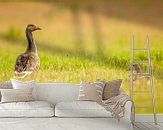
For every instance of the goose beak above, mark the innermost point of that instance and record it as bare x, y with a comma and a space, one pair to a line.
38, 28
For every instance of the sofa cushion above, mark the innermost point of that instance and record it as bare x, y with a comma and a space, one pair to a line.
91, 91
16, 95
111, 88
5, 85
17, 84
26, 109
80, 109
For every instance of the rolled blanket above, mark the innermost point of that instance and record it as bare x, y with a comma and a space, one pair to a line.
116, 105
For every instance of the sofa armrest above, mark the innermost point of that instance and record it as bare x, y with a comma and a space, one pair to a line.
126, 119
128, 111
127, 115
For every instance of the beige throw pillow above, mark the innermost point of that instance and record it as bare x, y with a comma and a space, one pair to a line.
91, 91
16, 95
5, 85
111, 88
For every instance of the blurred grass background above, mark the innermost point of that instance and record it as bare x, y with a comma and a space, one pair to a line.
84, 40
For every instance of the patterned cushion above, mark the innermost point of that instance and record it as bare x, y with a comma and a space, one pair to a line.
16, 95
111, 88
91, 91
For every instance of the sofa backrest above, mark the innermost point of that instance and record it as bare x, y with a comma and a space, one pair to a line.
57, 92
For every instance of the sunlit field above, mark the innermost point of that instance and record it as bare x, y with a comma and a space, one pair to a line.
85, 41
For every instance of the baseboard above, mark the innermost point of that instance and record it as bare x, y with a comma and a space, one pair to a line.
148, 118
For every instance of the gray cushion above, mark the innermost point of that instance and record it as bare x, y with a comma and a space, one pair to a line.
111, 88
6, 84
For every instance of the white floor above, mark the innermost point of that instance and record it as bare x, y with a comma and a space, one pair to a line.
62, 124
143, 122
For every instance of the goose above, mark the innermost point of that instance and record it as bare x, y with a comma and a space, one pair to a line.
137, 69
28, 62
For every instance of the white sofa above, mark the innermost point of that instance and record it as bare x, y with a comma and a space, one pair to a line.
57, 108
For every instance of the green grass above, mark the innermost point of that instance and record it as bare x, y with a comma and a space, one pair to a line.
76, 44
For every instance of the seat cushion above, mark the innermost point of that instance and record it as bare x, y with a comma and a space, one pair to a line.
80, 109
26, 109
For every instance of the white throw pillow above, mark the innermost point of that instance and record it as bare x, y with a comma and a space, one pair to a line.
17, 84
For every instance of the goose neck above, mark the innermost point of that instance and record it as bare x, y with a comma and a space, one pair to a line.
31, 47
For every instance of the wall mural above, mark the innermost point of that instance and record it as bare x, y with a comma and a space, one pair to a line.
81, 40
